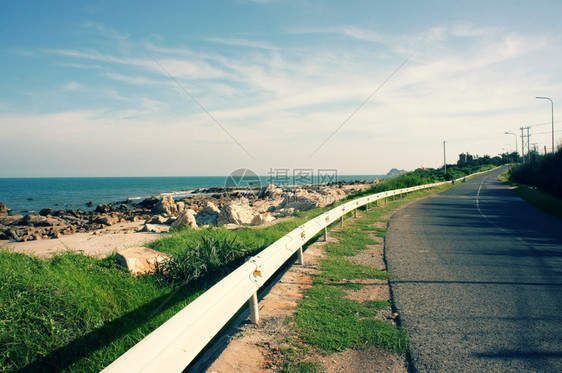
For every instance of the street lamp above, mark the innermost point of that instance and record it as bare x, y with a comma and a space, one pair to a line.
552, 110
511, 133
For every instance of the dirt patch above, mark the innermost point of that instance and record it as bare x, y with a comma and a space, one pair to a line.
370, 360
257, 348
372, 257
370, 290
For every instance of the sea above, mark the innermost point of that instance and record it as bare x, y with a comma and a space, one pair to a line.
26, 195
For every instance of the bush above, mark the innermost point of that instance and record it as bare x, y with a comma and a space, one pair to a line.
543, 172
209, 259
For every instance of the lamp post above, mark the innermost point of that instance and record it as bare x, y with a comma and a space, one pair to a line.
511, 133
552, 111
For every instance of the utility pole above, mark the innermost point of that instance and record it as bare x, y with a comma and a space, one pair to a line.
529, 143
444, 158
522, 145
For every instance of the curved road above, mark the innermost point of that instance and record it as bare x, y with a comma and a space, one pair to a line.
477, 281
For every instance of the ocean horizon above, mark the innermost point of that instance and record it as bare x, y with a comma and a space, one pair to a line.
32, 194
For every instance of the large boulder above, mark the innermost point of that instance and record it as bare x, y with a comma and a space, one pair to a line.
150, 228
300, 200
32, 220
3, 209
10, 219
140, 260
158, 219
303, 200
268, 204
264, 218
106, 219
149, 203
45, 212
102, 208
51, 222
166, 206
208, 215
270, 191
237, 211
281, 213
186, 219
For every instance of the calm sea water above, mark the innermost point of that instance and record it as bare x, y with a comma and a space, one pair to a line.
24, 195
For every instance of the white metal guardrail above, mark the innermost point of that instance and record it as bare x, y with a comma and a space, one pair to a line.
174, 345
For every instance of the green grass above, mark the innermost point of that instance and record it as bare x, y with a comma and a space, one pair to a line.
334, 323
535, 197
541, 200
351, 242
325, 318
76, 313
253, 239
296, 356
336, 270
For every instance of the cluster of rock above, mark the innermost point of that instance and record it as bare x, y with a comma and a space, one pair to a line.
224, 208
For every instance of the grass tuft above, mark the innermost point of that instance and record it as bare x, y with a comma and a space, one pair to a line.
341, 269
333, 323
535, 197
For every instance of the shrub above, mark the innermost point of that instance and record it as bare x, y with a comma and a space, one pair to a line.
209, 260
543, 172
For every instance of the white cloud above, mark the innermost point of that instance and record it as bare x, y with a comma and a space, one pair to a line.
465, 84
106, 31
241, 43
72, 86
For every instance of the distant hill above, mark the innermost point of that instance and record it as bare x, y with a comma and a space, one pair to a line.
395, 172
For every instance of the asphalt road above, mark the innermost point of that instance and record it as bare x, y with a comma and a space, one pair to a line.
477, 281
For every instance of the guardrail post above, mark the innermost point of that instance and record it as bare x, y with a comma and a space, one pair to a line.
341, 220
377, 203
326, 234
254, 310
300, 260
355, 213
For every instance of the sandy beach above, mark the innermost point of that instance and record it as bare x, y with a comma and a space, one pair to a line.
99, 243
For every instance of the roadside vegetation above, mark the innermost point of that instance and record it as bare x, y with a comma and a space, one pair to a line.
326, 318
539, 182
73, 313
543, 172
76, 313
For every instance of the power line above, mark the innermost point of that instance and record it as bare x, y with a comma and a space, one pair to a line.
201, 106
363, 103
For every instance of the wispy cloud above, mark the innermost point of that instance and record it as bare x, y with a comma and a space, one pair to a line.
464, 81
138, 80
102, 57
72, 86
241, 43
106, 31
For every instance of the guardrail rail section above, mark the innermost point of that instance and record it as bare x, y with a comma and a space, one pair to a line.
176, 343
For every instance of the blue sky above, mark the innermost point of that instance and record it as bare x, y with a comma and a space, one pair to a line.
85, 89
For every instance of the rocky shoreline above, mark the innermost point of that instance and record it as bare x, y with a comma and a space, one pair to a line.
207, 207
